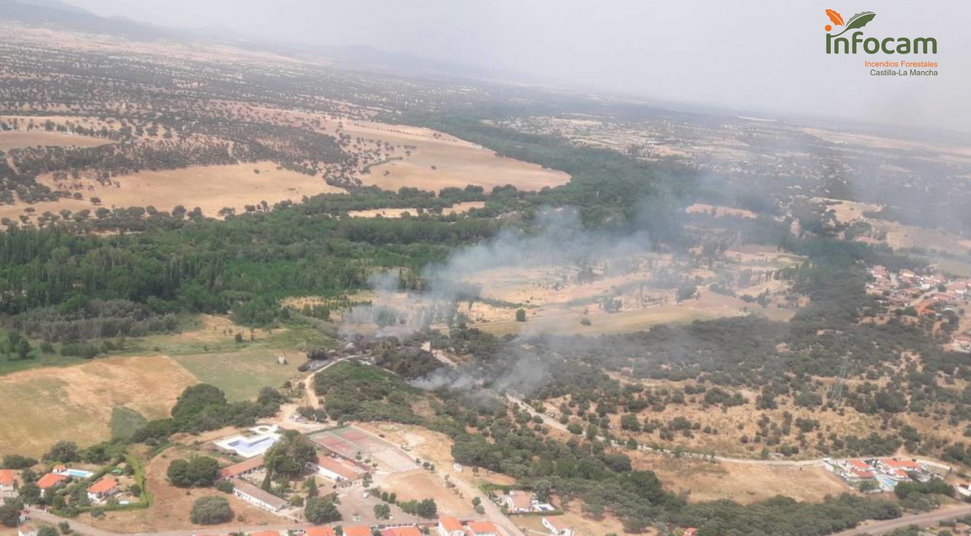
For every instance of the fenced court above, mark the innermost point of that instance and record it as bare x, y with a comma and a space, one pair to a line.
350, 442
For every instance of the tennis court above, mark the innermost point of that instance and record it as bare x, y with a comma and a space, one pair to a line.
351, 442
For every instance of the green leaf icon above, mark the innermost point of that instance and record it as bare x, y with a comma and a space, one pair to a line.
858, 21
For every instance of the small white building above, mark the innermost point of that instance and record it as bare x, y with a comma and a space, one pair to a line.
557, 527
27, 530
258, 497
335, 469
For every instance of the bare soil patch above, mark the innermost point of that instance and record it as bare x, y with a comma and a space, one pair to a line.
17, 139
419, 484
744, 483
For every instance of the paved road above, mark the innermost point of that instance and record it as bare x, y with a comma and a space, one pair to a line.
492, 512
921, 520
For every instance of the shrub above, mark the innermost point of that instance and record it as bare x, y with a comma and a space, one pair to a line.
211, 511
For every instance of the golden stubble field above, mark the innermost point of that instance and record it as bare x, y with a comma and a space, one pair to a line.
16, 139
210, 188
425, 158
75, 403
744, 483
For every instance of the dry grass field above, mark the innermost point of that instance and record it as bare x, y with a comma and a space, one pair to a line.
898, 235
419, 484
743, 483
434, 161
210, 188
568, 323
16, 139
440, 165
582, 526
76, 402
394, 213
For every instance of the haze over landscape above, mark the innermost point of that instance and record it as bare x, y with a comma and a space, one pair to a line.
484, 269
750, 54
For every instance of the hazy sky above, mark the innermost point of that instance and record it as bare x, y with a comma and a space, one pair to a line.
757, 54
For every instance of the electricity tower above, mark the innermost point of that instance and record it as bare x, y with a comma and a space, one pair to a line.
836, 394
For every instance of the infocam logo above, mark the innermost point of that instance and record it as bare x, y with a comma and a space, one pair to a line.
856, 43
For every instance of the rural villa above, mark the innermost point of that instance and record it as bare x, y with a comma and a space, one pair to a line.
518, 501
101, 490
50, 481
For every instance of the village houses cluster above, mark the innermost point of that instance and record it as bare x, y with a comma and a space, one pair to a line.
924, 295
876, 475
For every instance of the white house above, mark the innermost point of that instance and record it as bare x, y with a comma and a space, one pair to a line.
257, 496
102, 489
557, 527
335, 469
27, 530
518, 501
450, 526
8, 482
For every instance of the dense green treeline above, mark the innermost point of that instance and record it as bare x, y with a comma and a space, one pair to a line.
610, 189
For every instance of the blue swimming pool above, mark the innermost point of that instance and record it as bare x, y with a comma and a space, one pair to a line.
887, 483
252, 446
78, 473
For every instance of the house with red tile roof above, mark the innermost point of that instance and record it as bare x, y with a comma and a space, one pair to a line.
906, 465
241, 469
357, 530
481, 528
50, 481
102, 489
8, 481
26, 530
401, 531
320, 531
450, 526
335, 469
